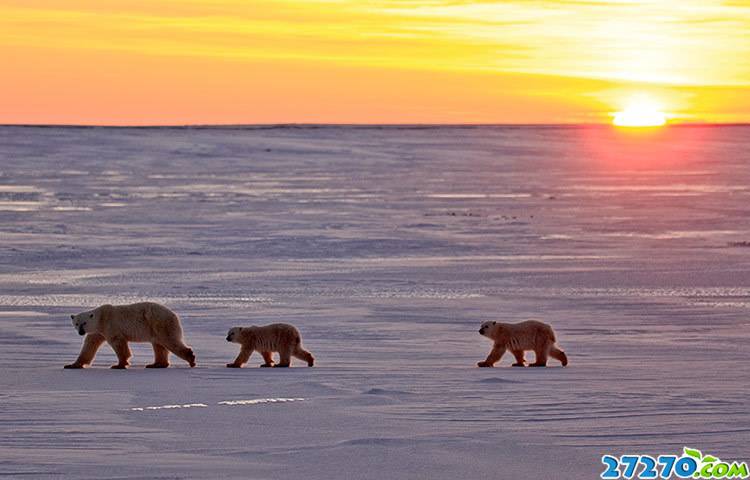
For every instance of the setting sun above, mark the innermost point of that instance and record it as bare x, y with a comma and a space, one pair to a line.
640, 112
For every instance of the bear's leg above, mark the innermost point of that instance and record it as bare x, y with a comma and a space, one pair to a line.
303, 354
242, 358
122, 350
285, 356
495, 354
267, 358
161, 357
182, 351
520, 361
559, 355
91, 344
541, 357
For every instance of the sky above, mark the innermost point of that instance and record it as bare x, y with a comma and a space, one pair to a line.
141, 62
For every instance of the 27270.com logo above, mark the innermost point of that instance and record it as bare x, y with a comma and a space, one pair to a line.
691, 464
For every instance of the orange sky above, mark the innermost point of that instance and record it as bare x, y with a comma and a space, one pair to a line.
355, 61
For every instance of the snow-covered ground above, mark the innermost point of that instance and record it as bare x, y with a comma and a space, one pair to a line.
386, 247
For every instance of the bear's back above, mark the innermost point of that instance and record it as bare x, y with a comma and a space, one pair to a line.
143, 321
528, 334
276, 335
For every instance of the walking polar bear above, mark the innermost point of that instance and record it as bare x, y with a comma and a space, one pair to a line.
277, 337
519, 337
138, 322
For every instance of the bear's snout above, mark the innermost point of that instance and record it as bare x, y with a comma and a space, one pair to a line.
72, 317
481, 331
81, 331
229, 338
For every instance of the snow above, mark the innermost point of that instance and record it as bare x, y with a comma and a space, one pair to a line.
386, 247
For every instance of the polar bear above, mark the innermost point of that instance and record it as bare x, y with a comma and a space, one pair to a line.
277, 337
518, 337
139, 322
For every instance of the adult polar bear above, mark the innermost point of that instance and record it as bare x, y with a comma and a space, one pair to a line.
138, 322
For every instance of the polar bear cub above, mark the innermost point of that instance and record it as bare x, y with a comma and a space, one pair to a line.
519, 337
138, 322
277, 337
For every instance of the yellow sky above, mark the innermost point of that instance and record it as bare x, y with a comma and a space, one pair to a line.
357, 61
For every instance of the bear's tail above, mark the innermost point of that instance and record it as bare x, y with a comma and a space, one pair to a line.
559, 355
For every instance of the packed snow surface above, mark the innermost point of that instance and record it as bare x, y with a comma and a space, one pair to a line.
386, 247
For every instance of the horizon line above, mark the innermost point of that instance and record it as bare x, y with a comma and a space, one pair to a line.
362, 125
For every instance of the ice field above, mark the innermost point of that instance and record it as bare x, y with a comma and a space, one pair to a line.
386, 247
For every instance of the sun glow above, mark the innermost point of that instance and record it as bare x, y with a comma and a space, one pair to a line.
167, 62
640, 112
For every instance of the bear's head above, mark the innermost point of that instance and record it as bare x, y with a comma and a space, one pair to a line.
486, 328
86, 322
234, 335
